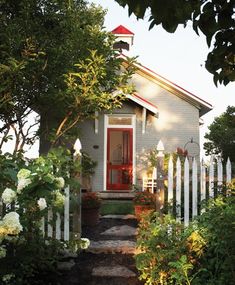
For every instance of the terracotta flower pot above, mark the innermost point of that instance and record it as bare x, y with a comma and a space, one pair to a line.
90, 216
142, 209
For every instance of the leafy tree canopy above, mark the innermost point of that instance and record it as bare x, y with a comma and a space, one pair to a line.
214, 18
56, 59
221, 136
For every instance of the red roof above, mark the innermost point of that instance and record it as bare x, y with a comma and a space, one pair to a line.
122, 30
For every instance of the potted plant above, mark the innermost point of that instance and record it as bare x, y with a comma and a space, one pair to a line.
144, 201
91, 203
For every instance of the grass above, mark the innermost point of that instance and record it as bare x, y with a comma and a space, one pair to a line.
117, 208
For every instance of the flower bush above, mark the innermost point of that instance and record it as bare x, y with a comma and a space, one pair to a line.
144, 198
28, 190
90, 200
202, 253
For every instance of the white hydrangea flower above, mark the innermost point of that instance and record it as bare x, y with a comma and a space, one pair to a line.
60, 182
8, 196
42, 203
11, 223
22, 183
3, 252
6, 278
59, 199
85, 243
23, 173
49, 178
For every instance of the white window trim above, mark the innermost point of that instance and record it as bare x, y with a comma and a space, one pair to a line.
133, 127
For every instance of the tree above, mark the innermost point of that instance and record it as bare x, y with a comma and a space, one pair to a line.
57, 60
214, 18
221, 136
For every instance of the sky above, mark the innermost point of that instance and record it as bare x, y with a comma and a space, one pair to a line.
179, 57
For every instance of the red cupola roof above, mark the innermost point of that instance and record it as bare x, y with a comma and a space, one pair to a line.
121, 30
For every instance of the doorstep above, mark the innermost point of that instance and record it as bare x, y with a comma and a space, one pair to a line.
116, 195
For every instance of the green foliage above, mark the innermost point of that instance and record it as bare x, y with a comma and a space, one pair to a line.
28, 190
213, 18
88, 164
144, 198
90, 200
218, 228
202, 253
163, 246
56, 59
221, 135
116, 208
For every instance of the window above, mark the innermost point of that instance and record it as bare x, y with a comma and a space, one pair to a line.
115, 120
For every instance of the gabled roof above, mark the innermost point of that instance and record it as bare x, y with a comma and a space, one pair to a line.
121, 30
135, 97
201, 104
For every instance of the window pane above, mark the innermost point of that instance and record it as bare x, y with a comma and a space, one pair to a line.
120, 120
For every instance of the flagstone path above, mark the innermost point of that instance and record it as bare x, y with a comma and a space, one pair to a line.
109, 259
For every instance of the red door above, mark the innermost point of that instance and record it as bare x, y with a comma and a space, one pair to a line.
119, 159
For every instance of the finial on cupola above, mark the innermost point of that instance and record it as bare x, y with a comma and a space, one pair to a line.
124, 38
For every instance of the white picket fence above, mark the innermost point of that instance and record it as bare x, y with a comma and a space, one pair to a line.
189, 183
61, 228
55, 225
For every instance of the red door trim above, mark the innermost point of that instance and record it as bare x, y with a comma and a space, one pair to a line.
124, 168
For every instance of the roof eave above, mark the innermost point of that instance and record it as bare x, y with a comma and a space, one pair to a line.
203, 106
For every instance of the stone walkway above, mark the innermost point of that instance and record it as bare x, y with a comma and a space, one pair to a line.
109, 259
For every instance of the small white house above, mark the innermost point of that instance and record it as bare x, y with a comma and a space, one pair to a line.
158, 110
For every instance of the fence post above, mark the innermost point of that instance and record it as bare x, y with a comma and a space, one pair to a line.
77, 194
194, 196
160, 197
186, 192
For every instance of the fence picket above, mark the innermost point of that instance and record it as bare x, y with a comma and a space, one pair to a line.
186, 192
203, 181
170, 181
49, 226
228, 171
194, 190
178, 189
211, 178
42, 227
219, 173
66, 214
58, 227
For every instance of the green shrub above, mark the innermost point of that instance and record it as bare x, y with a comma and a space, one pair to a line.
28, 189
202, 253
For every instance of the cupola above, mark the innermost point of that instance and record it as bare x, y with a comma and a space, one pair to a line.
124, 38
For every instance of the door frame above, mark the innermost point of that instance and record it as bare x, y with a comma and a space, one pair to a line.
133, 127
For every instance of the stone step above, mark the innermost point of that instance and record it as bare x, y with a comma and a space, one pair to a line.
119, 217
112, 271
121, 231
112, 246
116, 195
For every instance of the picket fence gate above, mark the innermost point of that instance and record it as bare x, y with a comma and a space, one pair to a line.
189, 183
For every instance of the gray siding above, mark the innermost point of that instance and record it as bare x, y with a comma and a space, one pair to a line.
178, 122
